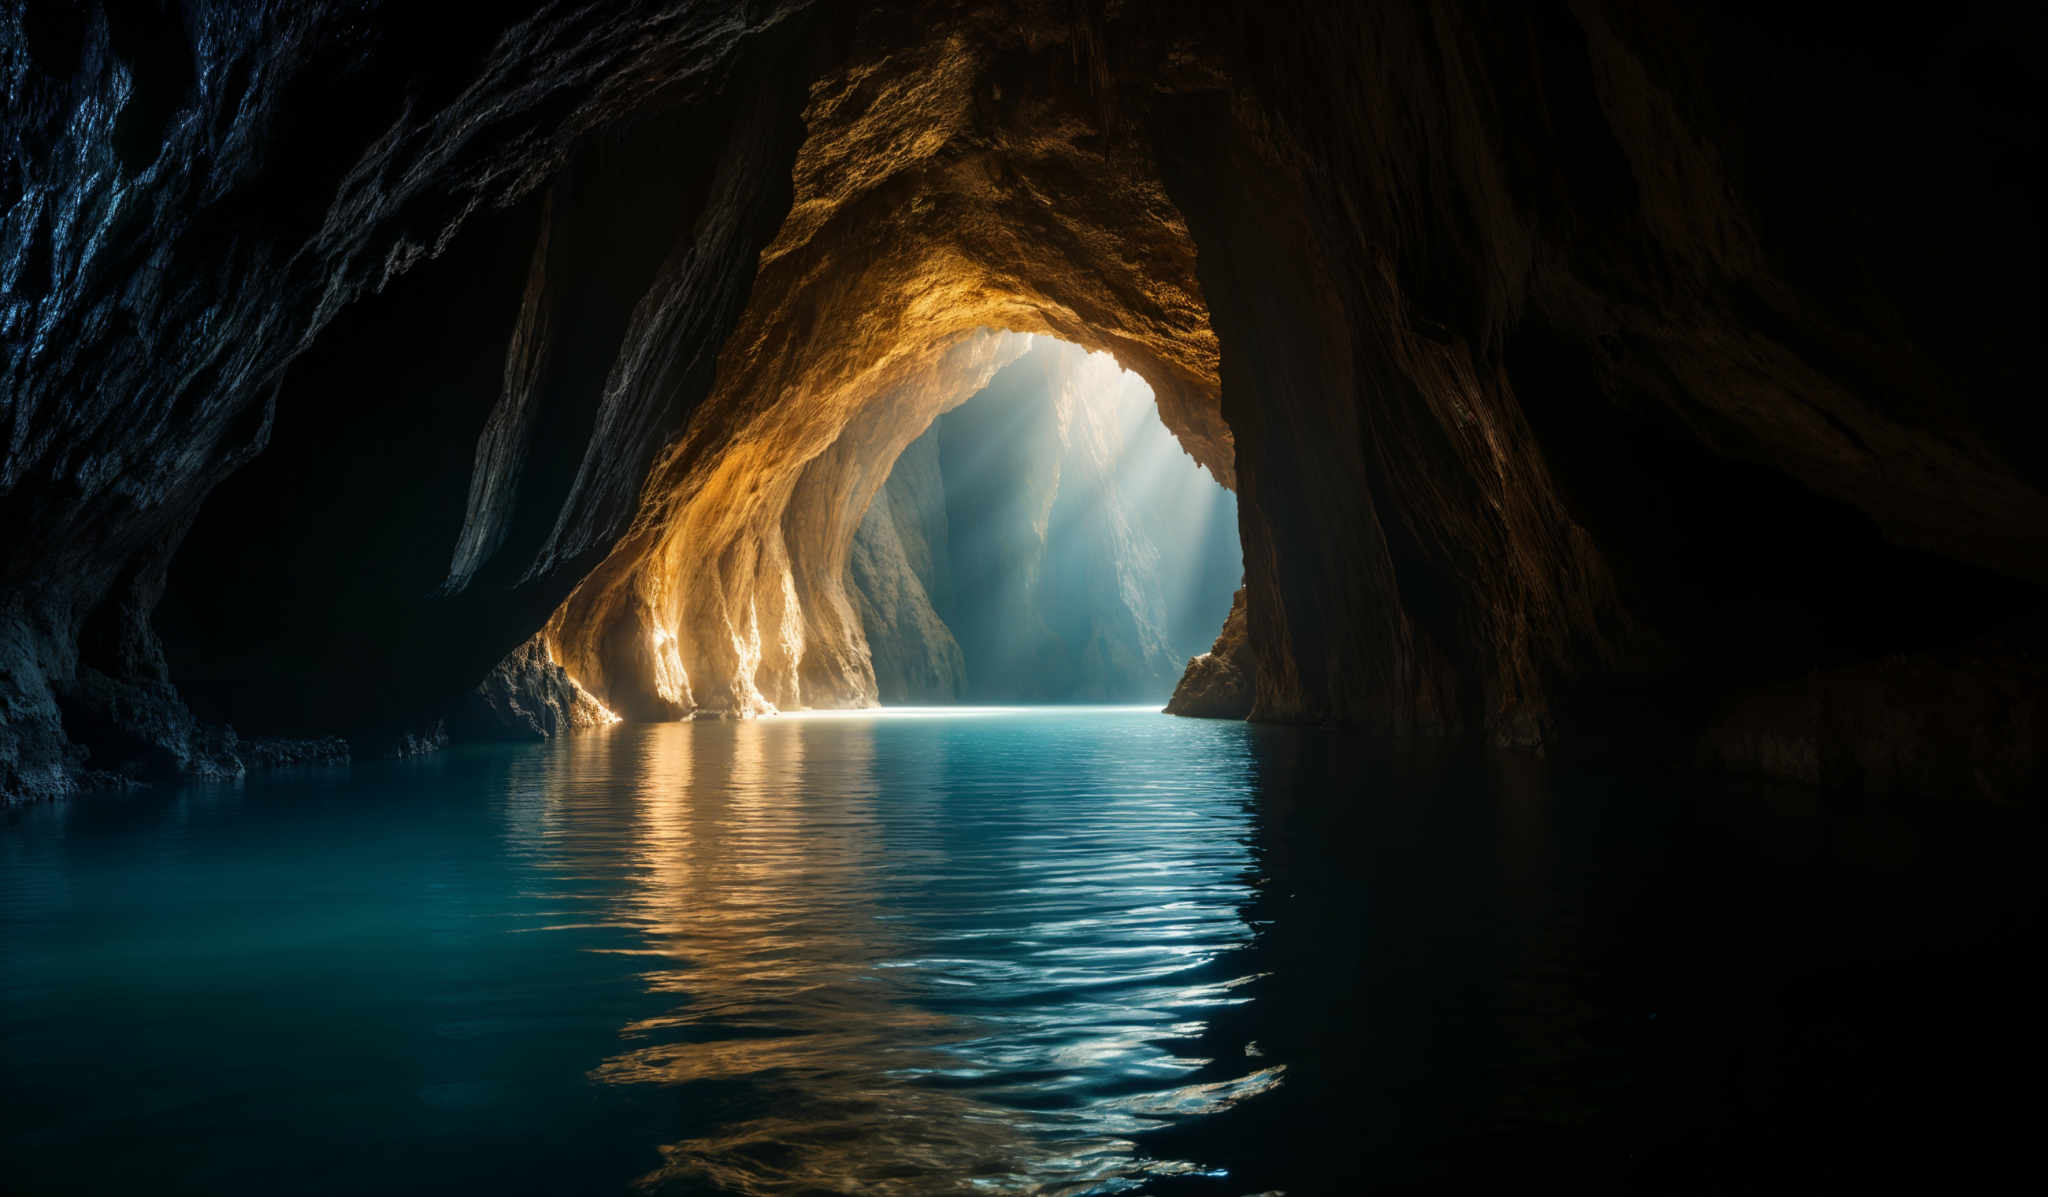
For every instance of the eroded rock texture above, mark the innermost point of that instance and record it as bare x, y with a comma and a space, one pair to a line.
1525, 302
527, 697
953, 179
194, 192
1223, 682
733, 602
1570, 360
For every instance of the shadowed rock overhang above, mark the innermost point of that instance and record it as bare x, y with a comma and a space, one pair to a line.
1569, 361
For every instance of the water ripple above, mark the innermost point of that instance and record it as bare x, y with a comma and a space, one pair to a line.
915, 956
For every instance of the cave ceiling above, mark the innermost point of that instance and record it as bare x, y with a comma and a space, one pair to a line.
1555, 352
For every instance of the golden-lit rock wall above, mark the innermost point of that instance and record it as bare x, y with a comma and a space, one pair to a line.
930, 203
1571, 361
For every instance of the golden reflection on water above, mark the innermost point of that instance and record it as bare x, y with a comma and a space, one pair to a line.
915, 976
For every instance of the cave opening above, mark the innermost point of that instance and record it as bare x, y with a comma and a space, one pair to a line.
1023, 530
1594, 426
1045, 541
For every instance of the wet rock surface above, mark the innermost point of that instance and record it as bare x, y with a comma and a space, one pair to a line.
1557, 357
1966, 721
405, 745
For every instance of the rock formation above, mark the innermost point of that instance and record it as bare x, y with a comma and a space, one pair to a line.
1063, 580
899, 573
527, 697
1570, 361
1056, 590
734, 601
286, 753
1223, 682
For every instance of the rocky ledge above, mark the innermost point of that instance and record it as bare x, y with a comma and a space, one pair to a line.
527, 697
282, 752
1221, 683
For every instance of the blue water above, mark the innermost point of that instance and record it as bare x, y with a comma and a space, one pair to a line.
813, 953
1063, 951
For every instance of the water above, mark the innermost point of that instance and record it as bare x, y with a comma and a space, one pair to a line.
1061, 950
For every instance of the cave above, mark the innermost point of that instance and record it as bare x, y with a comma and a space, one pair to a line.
1544, 461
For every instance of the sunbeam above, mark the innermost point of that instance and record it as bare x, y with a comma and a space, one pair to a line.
1083, 558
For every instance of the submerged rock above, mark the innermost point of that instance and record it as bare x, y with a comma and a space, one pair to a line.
412, 742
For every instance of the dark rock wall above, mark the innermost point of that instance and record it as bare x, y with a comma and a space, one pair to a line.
1571, 360
455, 447
195, 192
1522, 302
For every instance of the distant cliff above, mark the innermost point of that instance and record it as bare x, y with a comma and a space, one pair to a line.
898, 572
1017, 553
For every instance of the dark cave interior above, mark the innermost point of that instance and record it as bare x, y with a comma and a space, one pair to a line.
1632, 493
1568, 381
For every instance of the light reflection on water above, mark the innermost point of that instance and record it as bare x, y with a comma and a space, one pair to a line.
937, 954
1072, 951
854, 954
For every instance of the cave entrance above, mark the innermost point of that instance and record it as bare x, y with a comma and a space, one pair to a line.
1048, 540
1006, 520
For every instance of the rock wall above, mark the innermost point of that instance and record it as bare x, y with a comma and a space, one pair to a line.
1523, 304
195, 193
734, 602
1223, 682
1038, 542
527, 697
899, 573
1570, 360
952, 179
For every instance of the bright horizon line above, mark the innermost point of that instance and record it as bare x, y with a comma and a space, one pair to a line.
965, 711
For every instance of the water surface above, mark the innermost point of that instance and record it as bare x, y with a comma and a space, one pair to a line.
1063, 950
849, 954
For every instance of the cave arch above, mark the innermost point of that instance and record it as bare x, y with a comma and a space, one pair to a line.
1551, 375
725, 616
929, 208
